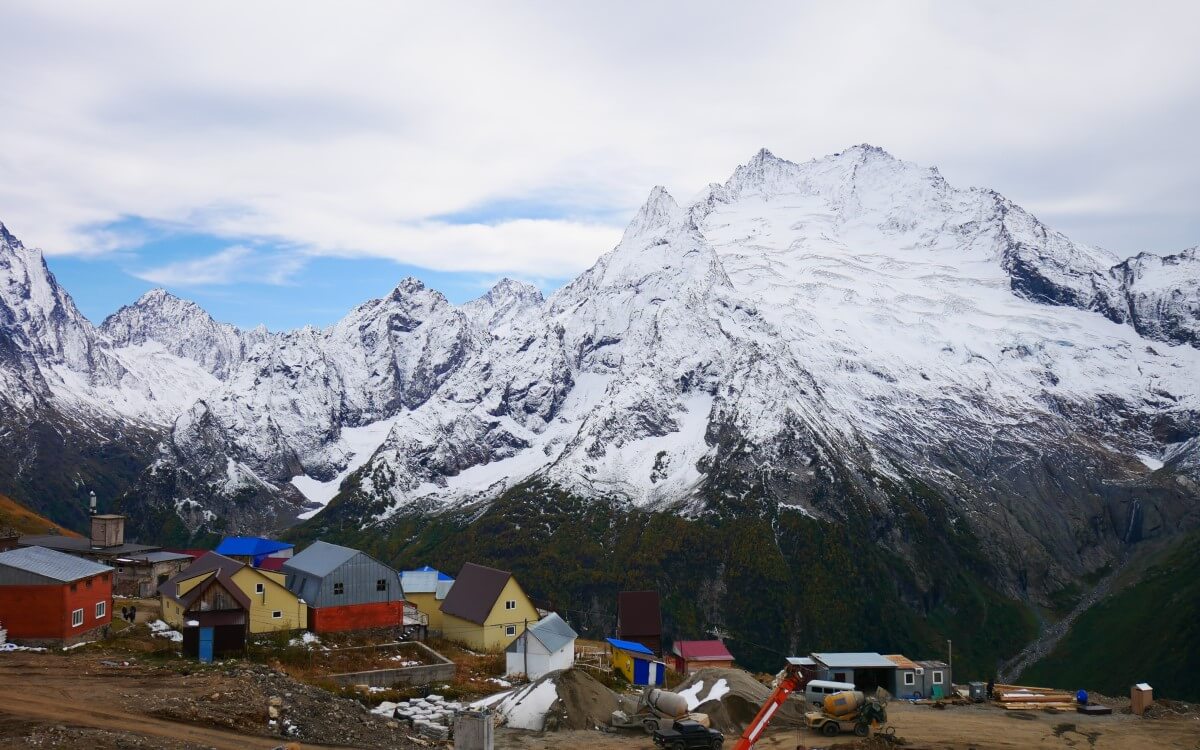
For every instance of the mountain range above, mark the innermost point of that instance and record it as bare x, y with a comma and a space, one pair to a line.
849, 343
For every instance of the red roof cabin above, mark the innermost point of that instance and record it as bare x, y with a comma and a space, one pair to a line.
689, 656
52, 598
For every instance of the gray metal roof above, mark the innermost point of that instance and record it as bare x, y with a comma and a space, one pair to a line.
156, 557
49, 563
319, 559
425, 582
855, 660
553, 632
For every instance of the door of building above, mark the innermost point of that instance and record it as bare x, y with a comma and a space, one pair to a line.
206, 645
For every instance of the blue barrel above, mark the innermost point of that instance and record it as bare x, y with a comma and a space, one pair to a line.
1081, 697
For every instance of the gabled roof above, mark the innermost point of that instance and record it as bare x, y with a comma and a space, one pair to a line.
630, 646
553, 632
702, 650
475, 592
221, 577
319, 559
206, 564
639, 614
250, 545
854, 660
51, 564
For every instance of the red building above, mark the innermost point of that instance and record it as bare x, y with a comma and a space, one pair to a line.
689, 656
52, 597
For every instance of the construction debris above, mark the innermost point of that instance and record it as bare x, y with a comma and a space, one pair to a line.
1025, 698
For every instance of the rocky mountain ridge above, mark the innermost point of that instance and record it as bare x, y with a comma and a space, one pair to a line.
800, 331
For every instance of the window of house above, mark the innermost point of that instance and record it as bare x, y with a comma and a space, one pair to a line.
77, 618
839, 676
260, 588
910, 678
276, 615
510, 604
339, 588
87, 584
74, 586
937, 678
381, 584
120, 569
101, 608
510, 629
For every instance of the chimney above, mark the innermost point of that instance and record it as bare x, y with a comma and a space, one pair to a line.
108, 530
92, 502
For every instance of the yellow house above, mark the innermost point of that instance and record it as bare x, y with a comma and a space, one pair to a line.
272, 606
426, 589
486, 609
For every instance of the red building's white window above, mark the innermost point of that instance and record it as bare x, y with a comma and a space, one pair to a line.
101, 608
77, 618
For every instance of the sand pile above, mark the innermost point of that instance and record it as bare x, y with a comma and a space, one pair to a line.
569, 699
732, 698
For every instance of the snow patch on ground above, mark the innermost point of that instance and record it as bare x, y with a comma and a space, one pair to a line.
523, 708
692, 694
1152, 463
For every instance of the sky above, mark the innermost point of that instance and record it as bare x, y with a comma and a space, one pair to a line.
281, 162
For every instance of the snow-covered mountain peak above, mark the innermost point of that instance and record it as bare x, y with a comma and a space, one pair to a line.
658, 213
509, 306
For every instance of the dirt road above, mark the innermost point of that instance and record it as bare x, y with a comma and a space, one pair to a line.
50, 700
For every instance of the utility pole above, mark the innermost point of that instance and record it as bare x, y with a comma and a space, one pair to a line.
525, 646
950, 653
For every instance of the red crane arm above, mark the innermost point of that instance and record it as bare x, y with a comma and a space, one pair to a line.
791, 682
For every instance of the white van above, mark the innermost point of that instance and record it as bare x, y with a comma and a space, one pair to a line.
815, 691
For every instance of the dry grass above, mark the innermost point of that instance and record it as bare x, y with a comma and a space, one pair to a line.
26, 521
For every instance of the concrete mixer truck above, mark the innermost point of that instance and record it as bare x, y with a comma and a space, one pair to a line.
847, 711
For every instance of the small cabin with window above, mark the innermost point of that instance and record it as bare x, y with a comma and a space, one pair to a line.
346, 589
934, 679
486, 608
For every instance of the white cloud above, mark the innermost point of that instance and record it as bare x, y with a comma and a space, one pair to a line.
349, 130
233, 265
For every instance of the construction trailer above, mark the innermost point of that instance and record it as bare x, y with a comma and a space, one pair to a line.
935, 679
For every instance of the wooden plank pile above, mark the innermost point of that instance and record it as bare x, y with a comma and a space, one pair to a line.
1025, 698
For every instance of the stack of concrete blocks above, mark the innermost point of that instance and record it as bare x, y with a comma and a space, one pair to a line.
474, 730
3, 636
431, 717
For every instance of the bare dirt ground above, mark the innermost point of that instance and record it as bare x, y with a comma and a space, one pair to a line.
922, 728
75, 700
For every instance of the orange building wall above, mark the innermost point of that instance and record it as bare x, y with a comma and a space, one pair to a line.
45, 611
356, 617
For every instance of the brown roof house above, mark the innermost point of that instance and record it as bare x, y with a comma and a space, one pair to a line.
215, 611
639, 619
486, 608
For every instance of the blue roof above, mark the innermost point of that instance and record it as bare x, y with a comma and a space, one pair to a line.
630, 646
250, 545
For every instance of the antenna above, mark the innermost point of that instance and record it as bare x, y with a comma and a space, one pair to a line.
92, 502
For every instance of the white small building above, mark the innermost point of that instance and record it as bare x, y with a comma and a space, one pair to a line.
545, 646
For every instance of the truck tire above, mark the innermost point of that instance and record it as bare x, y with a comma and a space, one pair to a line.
830, 729
678, 745
862, 730
650, 725
717, 742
